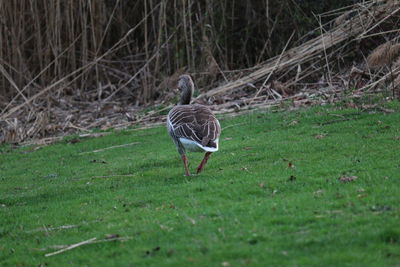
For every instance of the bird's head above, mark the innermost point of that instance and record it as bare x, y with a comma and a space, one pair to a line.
186, 87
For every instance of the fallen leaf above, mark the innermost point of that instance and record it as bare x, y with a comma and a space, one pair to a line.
380, 208
112, 236
367, 106
151, 253
247, 148
74, 141
318, 192
227, 138
346, 179
387, 110
319, 136
293, 123
191, 220
290, 165
262, 185
225, 263
167, 228
98, 161
351, 105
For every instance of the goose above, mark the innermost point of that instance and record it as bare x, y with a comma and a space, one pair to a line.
192, 127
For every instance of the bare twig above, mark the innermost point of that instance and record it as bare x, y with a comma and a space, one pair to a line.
379, 23
64, 248
114, 175
89, 241
46, 229
107, 148
148, 61
274, 68
310, 50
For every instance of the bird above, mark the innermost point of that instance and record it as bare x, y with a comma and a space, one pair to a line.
192, 127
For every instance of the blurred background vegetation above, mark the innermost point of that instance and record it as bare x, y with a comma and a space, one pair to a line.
76, 46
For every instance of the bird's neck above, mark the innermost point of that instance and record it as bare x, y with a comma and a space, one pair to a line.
186, 96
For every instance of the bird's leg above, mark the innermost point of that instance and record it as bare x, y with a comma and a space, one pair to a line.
203, 162
185, 163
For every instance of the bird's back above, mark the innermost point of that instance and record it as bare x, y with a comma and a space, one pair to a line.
196, 123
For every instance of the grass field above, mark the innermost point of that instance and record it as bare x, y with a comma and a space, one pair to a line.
314, 187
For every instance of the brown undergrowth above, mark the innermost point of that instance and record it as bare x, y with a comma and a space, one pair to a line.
355, 53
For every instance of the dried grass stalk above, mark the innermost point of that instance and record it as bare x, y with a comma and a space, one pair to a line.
383, 55
365, 18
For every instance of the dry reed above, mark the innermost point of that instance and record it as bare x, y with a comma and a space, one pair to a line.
383, 55
68, 66
44, 41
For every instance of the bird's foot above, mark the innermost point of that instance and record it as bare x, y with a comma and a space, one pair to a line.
199, 169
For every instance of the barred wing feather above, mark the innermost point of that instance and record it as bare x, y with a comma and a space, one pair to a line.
196, 123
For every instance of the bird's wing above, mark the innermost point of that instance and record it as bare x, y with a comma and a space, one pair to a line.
196, 123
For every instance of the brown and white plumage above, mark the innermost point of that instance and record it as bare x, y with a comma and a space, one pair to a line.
192, 127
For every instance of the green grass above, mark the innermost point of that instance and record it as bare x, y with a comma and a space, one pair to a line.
270, 197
